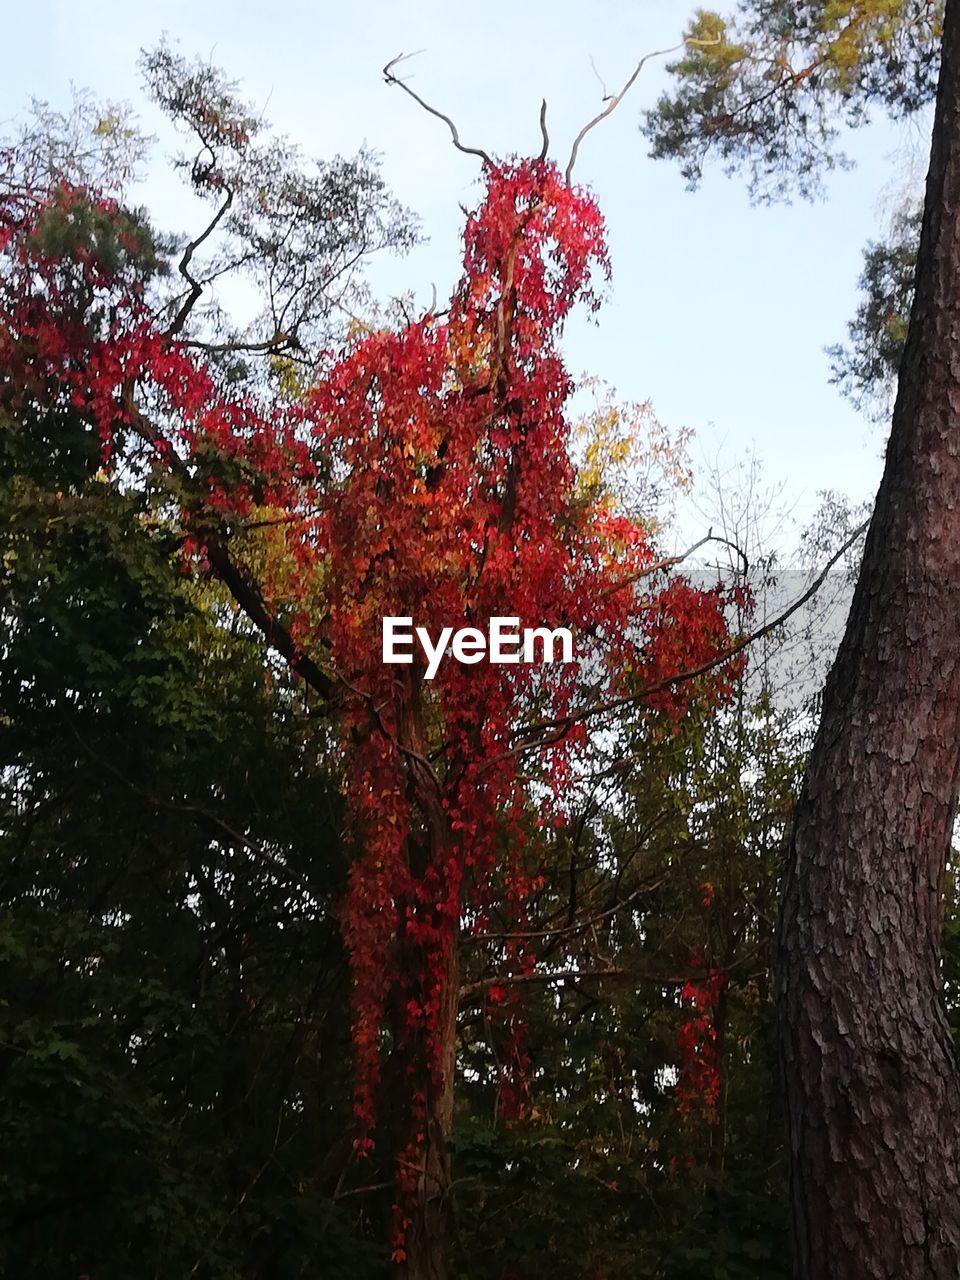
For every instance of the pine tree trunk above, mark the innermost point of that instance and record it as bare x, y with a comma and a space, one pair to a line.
870, 1078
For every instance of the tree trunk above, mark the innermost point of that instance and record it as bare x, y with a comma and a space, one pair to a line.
424, 1135
870, 1079
429, 1234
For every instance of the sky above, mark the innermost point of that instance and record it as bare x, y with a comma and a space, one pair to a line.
718, 311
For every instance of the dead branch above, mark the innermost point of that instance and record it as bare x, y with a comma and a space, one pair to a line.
614, 100
669, 562
393, 79
543, 131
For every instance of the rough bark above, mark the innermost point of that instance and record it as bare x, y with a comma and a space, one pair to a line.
870, 1078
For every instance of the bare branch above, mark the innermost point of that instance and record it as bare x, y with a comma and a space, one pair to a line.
367, 1190
604, 96
473, 989
279, 344
196, 287
669, 562
565, 930
556, 730
614, 101
543, 131
392, 79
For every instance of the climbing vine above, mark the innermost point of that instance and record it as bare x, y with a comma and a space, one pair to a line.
422, 472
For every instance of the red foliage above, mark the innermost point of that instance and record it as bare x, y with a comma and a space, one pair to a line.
698, 1084
450, 497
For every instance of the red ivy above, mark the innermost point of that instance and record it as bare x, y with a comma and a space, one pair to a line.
449, 496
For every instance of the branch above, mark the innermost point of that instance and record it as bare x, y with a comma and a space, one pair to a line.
425, 765
363, 1191
543, 131
250, 599
668, 562
614, 101
196, 288
563, 724
234, 577
392, 79
258, 851
277, 345
473, 989
571, 928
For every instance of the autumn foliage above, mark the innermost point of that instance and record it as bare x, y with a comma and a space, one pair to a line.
425, 472
698, 1085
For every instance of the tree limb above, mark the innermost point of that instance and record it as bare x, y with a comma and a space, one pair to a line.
392, 79
543, 131
571, 928
471, 990
614, 100
234, 577
196, 288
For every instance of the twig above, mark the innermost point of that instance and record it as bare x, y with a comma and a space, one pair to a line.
362, 1191
604, 96
571, 928
392, 79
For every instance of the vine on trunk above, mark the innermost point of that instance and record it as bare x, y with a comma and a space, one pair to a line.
424, 473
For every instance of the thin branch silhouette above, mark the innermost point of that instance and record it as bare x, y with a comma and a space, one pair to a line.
543, 130
390, 78
614, 100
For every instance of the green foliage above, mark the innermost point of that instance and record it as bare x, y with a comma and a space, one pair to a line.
769, 97
118, 241
175, 1064
174, 1050
866, 368
604, 1177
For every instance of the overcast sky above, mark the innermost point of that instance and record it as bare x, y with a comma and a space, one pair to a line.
718, 311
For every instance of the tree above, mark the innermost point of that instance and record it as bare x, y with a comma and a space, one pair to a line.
653, 1144
425, 472
870, 1075
170, 861
768, 90
869, 1065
